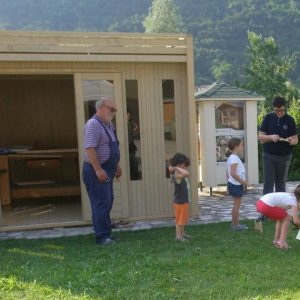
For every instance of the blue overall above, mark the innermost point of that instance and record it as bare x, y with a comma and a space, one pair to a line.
101, 193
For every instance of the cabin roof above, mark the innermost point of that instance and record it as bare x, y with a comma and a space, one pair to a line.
92, 46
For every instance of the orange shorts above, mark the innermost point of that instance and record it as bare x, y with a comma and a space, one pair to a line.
181, 213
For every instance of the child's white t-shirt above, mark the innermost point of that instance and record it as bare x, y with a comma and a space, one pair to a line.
280, 199
240, 169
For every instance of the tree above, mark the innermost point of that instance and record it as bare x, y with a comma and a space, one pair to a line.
267, 74
163, 17
221, 69
132, 23
267, 71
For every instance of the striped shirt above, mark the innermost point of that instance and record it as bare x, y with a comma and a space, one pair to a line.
96, 137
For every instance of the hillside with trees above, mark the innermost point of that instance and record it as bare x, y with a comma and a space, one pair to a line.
219, 27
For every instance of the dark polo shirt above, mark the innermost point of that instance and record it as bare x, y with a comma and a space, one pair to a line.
284, 127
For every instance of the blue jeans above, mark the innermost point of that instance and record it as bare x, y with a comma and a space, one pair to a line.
101, 198
276, 170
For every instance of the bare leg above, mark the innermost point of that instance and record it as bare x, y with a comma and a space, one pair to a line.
236, 211
179, 232
277, 230
284, 228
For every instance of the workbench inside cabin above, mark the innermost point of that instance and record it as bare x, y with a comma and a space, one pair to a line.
39, 173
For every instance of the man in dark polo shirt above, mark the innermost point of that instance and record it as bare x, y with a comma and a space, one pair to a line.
278, 134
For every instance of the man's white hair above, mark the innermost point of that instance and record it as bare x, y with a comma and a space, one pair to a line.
102, 100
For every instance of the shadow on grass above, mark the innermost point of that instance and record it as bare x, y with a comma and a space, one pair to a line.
217, 264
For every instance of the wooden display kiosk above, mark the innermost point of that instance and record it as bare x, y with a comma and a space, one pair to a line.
225, 111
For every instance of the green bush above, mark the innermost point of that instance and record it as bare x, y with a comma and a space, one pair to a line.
294, 173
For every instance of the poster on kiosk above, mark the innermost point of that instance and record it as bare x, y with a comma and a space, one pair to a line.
229, 118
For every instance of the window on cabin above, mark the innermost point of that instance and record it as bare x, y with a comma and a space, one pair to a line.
133, 129
168, 93
92, 91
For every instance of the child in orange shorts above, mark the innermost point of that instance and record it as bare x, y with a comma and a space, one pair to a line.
179, 172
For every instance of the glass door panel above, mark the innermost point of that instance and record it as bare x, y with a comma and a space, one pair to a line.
93, 90
92, 87
168, 92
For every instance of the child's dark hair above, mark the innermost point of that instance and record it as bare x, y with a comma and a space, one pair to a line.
297, 192
232, 143
179, 158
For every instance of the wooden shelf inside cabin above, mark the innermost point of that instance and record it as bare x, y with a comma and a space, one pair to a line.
45, 190
51, 160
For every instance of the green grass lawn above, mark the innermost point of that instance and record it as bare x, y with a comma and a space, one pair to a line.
150, 264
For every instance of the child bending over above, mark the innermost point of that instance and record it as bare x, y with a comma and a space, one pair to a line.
274, 206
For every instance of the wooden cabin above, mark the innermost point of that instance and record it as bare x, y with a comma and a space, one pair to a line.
49, 83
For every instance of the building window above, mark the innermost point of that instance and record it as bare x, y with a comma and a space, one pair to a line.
168, 93
93, 90
133, 129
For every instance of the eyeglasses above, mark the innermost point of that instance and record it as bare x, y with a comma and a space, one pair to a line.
112, 109
279, 110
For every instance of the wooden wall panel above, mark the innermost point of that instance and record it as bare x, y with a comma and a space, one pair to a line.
164, 202
168, 72
146, 120
38, 112
153, 195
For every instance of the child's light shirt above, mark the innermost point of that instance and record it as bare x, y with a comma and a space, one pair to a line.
240, 169
280, 199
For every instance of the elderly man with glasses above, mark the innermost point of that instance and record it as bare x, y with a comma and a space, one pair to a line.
101, 165
278, 134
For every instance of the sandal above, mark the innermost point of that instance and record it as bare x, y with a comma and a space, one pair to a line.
282, 245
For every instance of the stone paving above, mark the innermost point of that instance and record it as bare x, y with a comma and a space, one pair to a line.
215, 208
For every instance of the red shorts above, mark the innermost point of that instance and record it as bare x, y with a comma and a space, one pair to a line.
272, 212
181, 213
